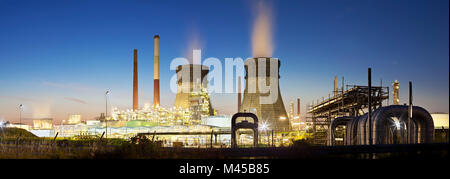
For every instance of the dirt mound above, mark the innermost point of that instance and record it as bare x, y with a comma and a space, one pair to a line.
7, 132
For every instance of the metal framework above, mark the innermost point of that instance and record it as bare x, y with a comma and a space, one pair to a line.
354, 101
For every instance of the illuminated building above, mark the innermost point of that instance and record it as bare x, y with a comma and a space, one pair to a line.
45, 123
199, 106
223, 121
441, 131
18, 125
440, 120
151, 117
74, 119
192, 93
92, 122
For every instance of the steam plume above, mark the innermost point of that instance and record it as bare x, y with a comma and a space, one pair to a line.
262, 32
194, 43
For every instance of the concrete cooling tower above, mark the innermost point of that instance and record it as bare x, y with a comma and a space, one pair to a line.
192, 92
273, 113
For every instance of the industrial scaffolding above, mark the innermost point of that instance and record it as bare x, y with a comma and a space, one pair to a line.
354, 101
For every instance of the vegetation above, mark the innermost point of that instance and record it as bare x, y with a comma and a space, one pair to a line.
13, 133
17, 145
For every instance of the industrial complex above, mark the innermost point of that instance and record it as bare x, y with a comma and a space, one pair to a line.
351, 115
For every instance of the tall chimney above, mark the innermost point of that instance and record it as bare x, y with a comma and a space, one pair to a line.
410, 108
239, 94
298, 107
156, 73
135, 83
369, 113
291, 110
395, 92
335, 85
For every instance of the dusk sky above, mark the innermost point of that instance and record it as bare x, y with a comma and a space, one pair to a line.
59, 57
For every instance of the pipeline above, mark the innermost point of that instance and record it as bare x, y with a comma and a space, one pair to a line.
389, 126
338, 121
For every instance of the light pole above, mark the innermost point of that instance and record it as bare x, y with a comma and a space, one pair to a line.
264, 127
20, 115
106, 114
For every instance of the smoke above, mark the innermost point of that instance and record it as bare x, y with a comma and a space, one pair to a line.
194, 43
262, 45
75, 100
41, 110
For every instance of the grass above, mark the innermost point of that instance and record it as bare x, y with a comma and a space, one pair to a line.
12, 133
17, 145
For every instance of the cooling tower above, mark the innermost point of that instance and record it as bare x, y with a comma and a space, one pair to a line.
272, 113
192, 91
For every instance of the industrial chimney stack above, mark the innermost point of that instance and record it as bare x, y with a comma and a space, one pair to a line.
335, 90
156, 73
239, 94
135, 83
395, 92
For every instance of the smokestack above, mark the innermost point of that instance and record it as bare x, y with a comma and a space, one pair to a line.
395, 94
335, 86
369, 114
410, 107
156, 73
298, 107
239, 94
135, 83
291, 112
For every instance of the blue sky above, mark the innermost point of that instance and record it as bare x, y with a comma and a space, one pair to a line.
58, 57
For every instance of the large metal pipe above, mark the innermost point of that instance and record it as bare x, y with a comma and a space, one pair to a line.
421, 128
156, 73
135, 83
388, 123
349, 131
336, 122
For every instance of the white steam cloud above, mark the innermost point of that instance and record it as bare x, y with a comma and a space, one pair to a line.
262, 45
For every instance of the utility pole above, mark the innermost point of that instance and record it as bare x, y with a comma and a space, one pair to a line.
408, 130
369, 114
20, 116
106, 114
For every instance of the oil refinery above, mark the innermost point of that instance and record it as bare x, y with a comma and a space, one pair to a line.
94, 81
340, 119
